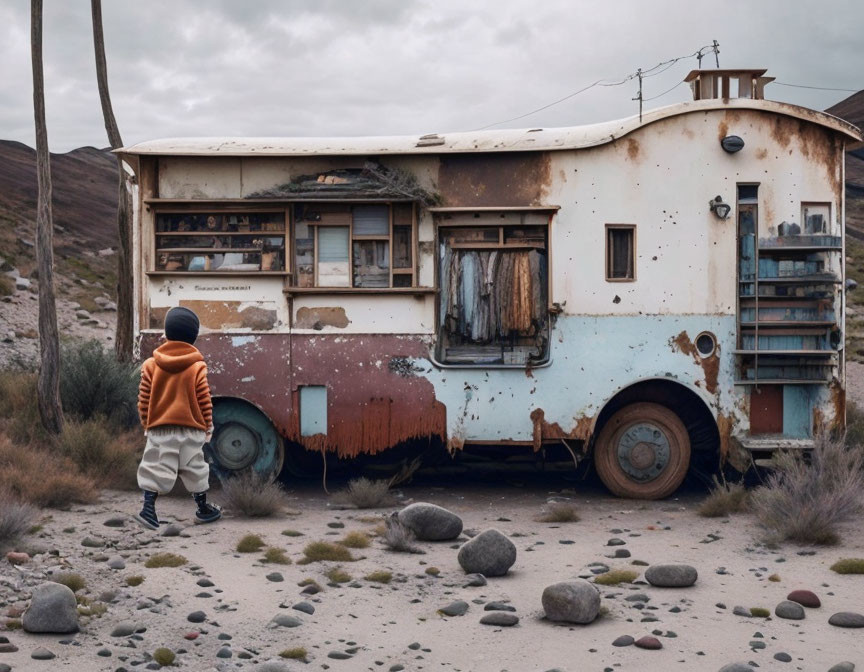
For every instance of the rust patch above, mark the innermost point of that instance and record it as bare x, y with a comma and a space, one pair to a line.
318, 318
495, 179
722, 129
838, 401
724, 427
710, 365
761, 153
157, 317
228, 315
545, 430
632, 149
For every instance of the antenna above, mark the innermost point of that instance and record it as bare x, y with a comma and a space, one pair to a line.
639, 95
716, 48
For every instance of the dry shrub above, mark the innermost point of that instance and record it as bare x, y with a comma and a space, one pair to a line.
337, 575
7, 285
364, 493
559, 512
276, 556
319, 551
19, 407
164, 656
615, 576
39, 477
251, 543
379, 576
760, 612
725, 498
252, 495
806, 499
72, 581
16, 519
297, 653
854, 425
355, 540
398, 537
98, 450
135, 580
159, 560
849, 566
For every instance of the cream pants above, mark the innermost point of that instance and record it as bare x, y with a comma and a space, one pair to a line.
172, 450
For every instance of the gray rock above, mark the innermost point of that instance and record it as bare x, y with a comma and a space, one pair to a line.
847, 619
90, 542
623, 640
22, 283
783, 657
123, 629
116, 562
499, 606
286, 621
574, 601
791, 610
490, 553
457, 608
339, 655
52, 609
42, 654
115, 521
271, 666
501, 619
736, 667
430, 522
82, 314
671, 576
475, 581
197, 617
172, 530
275, 577
305, 607
615, 542
740, 611
845, 666
224, 652
205, 583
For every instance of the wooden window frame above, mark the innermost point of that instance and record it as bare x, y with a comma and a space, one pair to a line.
352, 238
217, 209
608, 251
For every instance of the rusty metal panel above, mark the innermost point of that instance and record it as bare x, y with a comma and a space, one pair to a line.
766, 410
505, 179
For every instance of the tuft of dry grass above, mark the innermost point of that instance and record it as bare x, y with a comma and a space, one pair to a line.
322, 551
433, 571
159, 560
7, 285
355, 540
725, 498
164, 656
71, 580
338, 575
559, 512
251, 495
291, 533
297, 653
759, 612
34, 475
94, 610
849, 566
364, 493
615, 576
805, 500
398, 537
16, 519
135, 580
19, 406
379, 576
276, 556
98, 450
309, 582
251, 543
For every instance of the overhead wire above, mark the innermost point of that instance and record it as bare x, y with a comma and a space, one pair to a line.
818, 88
604, 82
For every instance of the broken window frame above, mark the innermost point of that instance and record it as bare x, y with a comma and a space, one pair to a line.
485, 219
409, 272
219, 210
609, 228
806, 207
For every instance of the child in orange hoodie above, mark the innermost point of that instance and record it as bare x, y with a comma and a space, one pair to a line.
177, 415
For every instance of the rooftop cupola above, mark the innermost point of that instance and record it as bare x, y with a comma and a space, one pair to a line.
711, 84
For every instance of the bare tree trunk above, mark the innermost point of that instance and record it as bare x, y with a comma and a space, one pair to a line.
48, 386
124, 337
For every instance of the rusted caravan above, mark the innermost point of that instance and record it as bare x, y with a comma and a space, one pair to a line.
655, 293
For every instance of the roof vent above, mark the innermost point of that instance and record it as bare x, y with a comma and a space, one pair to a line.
430, 140
712, 84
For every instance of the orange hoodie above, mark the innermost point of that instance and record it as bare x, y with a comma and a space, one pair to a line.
174, 388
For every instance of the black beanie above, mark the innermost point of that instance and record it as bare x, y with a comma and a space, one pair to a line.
181, 324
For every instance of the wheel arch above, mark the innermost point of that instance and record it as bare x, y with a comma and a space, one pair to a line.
275, 462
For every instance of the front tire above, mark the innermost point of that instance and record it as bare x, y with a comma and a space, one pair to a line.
243, 440
642, 452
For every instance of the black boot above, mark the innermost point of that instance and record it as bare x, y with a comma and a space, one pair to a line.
147, 517
206, 513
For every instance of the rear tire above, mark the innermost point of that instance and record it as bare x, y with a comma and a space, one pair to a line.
243, 440
642, 452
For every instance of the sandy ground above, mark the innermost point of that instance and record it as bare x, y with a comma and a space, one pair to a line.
380, 622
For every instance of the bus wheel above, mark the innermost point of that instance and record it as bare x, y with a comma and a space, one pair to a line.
243, 440
642, 452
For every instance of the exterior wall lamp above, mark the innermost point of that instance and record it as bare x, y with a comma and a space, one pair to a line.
719, 208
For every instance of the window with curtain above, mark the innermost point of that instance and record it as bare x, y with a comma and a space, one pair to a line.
620, 252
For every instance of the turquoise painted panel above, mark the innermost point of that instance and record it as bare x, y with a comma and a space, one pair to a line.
313, 410
797, 413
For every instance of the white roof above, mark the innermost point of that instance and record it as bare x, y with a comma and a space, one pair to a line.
505, 140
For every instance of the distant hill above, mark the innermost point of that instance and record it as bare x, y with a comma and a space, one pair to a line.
851, 109
84, 185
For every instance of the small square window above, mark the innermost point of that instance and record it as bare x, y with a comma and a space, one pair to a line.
620, 252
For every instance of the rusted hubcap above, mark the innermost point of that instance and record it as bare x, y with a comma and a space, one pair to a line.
236, 446
643, 451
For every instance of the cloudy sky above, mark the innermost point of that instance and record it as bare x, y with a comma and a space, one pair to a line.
383, 67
